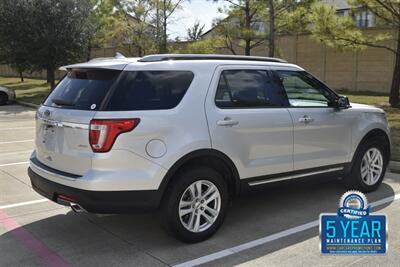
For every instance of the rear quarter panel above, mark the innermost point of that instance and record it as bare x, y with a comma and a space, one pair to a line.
178, 131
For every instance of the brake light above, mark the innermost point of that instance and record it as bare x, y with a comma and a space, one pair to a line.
103, 133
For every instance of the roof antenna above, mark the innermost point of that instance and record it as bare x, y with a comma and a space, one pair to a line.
119, 55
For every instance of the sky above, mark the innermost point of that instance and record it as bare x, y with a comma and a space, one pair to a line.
202, 10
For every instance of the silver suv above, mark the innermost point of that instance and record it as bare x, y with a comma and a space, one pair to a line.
187, 133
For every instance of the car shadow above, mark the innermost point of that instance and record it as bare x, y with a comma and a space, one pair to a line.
256, 215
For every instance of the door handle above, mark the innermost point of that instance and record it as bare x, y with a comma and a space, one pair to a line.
306, 119
227, 122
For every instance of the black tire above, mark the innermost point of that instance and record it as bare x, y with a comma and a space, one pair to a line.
3, 98
170, 206
354, 179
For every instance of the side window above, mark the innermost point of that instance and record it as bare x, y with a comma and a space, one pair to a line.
150, 90
303, 90
247, 89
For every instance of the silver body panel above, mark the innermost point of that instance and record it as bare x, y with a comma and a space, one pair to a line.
262, 142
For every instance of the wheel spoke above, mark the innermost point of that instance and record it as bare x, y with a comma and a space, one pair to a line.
197, 222
183, 212
376, 166
368, 156
212, 197
212, 211
370, 177
375, 156
192, 190
198, 189
208, 218
191, 220
210, 190
183, 204
364, 172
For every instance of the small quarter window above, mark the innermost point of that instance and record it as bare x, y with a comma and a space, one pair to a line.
150, 90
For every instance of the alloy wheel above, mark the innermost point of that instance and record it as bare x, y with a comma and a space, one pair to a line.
199, 206
371, 166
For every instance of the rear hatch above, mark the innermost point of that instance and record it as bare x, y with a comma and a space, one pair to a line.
62, 127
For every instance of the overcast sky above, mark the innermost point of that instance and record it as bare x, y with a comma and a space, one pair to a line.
201, 10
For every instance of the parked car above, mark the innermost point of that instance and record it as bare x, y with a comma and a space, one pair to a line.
188, 133
7, 95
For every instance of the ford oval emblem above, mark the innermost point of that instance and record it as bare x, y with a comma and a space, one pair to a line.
47, 113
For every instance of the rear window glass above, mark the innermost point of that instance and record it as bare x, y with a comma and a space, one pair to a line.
150, 90
82, 89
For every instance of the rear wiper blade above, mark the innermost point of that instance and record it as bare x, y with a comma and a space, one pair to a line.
61, 102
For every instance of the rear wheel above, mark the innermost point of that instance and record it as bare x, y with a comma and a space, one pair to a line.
3, 98
195, 204
369, 166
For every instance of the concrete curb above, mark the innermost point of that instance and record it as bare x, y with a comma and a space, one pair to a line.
394, 166
27, 104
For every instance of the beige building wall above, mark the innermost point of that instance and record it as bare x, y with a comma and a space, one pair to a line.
370, 69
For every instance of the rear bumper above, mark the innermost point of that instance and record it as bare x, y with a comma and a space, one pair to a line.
97, 201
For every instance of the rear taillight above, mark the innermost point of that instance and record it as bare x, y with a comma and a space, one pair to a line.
102, 133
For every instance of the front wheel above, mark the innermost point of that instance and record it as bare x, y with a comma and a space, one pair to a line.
369, 166
195, 204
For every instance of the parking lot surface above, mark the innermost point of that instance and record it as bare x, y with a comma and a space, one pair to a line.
274, 227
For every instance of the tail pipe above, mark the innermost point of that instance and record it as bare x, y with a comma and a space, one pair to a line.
76, 207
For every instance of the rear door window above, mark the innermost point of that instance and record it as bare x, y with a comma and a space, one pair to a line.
248, 89
150, 90
82, 89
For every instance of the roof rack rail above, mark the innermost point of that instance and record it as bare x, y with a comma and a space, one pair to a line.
165, 57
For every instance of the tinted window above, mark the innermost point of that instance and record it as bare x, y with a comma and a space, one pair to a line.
149, 90
82, 89
248, 88
303, 90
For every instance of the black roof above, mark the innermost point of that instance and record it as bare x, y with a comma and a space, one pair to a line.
164, 57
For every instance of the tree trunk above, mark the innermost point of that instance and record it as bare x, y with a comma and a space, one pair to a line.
21, 76
394, 99
51, 78
164, 35
89, 50
271, 35
247, 47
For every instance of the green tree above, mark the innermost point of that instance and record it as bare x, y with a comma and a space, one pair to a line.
13, 38
164, 11
52, 32
203, 46
285, 17
106, 23
195, 32
341, 32
241, 27
136, 26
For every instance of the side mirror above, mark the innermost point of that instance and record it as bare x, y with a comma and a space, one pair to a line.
342, 102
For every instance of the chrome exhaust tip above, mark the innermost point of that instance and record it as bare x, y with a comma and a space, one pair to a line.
76, 207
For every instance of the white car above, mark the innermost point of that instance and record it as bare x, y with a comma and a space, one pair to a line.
7, 95
187, 133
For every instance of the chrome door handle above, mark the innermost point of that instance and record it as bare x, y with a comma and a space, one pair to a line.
227, 122
306, 119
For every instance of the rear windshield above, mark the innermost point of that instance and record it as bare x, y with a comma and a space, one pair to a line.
82, 89
150, 90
